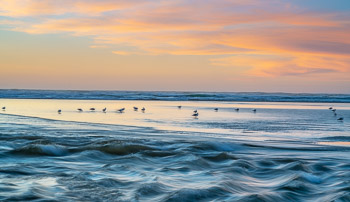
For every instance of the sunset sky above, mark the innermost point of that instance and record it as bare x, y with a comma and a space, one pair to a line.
185, 45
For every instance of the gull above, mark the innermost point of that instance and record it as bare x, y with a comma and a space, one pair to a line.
334, 110
104, 110
92, 109
237, 109
195, 111
340, 119
143, 109
80, 109
330, 108
216, 109
195, 115
121, 110
59, 111
254, 110
179, 106
3, 108
136, 108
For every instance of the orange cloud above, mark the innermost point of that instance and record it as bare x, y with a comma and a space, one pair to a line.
277, 65
264, 39
121, 52
33, 8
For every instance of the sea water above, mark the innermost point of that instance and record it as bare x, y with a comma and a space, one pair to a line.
288, 151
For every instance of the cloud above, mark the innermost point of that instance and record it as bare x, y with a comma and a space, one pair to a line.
121, 53
264, 38
277, 65
34, 8
341, 48
98, 46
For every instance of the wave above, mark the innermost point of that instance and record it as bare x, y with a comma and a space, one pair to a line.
181, 171
187, 194
223, 156
175, 96
337, 138
219, 151
119, 149
60, 150
67, 161
41, 149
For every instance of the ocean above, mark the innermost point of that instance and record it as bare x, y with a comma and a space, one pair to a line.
293, 148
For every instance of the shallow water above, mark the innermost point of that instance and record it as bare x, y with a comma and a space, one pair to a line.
284, 151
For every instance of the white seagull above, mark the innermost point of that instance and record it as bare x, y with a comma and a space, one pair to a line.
195, 115
136, 108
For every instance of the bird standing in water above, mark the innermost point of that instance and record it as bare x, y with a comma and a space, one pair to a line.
121, 110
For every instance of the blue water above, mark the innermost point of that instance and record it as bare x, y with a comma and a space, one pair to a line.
175, 96
282, 152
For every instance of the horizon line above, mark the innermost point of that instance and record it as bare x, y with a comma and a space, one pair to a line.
175, 91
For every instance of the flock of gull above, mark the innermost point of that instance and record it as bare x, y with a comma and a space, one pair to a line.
335, 113
104, 110
195, 112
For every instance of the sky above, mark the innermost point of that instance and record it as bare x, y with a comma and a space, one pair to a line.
176, 45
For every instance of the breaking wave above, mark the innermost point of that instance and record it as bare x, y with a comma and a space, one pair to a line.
174, 96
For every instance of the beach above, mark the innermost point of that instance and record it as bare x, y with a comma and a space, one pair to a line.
174, 101
292, 151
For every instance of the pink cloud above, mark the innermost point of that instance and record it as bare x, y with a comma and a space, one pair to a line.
245, 33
